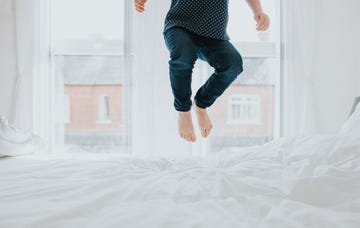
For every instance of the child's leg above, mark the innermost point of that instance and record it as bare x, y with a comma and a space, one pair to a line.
227, 63
183, 55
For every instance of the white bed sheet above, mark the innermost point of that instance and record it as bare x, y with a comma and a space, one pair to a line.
295, 182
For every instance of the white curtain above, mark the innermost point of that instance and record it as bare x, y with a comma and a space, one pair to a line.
154, 120
322, 64
31, 53
26, 24
7, 57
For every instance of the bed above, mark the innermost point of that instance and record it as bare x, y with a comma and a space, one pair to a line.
305, 181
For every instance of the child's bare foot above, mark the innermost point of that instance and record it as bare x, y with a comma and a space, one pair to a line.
186, 127
204, 121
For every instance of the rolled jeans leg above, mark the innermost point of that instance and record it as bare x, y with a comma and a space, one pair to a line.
182, 59
228, 64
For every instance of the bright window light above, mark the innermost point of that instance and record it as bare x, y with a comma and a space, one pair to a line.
88, 65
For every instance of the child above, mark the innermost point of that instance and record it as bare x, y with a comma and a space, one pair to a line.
197, 29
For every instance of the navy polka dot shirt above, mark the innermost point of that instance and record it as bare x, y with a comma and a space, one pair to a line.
207, 18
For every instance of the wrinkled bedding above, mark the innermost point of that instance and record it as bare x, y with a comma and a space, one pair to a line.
292, 182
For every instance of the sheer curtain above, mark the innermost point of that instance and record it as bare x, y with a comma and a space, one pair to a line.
25, 21
7, 57
322, 61
154, 121
31, 53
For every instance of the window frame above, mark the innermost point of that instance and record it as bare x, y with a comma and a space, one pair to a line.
67, 109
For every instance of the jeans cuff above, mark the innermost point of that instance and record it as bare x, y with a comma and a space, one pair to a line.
197, 103
182, 110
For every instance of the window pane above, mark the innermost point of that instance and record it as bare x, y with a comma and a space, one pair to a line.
88, 68
245, 114
87, 19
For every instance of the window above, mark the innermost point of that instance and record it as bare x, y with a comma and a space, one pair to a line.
248, 111
104, 110
89, 56
244, 109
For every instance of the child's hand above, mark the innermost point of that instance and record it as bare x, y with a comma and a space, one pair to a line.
140, 5
263, 21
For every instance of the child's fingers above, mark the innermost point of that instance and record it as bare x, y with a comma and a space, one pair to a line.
260, 20
263, 24
140, 2
263, 28
139, 5
266, 24
140, 8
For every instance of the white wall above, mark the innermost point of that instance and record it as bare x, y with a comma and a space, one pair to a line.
7, 57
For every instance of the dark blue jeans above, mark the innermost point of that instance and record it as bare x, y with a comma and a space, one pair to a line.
185, 48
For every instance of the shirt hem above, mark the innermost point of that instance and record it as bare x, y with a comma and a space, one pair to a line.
225, 38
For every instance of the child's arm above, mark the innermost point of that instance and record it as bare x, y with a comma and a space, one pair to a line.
263, 21
140, 5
